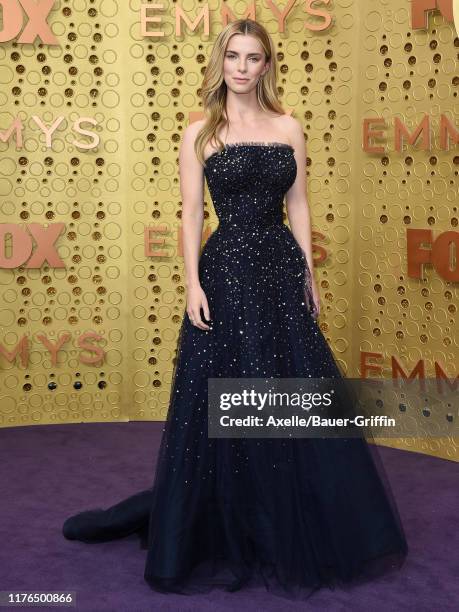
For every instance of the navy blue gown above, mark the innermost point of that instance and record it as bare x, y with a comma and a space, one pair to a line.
291, 514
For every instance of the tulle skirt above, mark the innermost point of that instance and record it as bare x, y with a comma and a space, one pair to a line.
293, 514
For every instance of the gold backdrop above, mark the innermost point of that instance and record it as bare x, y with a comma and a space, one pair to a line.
120, 289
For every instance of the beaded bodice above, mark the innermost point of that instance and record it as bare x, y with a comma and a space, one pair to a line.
248, 181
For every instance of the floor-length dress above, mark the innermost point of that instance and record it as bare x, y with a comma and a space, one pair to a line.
294, 514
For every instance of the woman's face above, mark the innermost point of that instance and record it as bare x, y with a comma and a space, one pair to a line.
244, 63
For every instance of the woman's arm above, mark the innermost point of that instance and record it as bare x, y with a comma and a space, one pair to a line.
192, 191
297, 204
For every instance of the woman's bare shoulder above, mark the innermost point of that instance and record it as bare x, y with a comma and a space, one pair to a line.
192, 130
291, 127
289, 121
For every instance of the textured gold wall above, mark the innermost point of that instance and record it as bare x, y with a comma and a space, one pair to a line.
142, 92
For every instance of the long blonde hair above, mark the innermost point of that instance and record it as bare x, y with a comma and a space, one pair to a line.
213, 91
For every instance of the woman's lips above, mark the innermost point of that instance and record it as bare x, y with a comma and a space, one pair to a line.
241, 80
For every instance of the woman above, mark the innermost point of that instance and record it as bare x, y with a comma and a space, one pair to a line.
297, 514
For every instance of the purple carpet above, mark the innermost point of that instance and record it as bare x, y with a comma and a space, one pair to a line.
50, 472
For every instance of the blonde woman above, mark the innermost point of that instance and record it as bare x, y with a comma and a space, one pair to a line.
293, 514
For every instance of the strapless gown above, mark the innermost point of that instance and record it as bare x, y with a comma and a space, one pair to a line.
292, 514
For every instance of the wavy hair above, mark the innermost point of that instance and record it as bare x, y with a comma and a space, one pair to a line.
214, 90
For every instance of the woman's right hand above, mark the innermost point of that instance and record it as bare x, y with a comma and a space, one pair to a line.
196, 299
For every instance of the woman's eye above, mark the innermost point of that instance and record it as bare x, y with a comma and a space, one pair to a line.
255, 59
